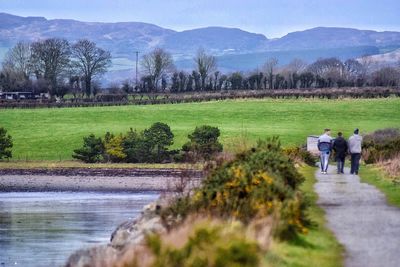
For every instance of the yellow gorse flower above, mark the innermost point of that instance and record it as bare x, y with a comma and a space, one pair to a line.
238, 172
260, 175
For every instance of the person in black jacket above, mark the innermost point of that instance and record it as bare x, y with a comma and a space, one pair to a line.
340, 147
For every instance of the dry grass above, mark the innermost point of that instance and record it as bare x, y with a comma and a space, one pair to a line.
391, 167
259, 230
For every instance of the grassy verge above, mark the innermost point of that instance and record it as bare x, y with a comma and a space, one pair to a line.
376, 177
76, 164
318, 248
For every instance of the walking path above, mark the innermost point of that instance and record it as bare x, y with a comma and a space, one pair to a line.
361, 219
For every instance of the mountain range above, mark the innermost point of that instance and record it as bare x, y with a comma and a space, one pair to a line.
235, 48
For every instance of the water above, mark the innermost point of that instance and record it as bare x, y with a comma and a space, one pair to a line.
44, 228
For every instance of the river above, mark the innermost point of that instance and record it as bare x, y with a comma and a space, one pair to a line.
44, 228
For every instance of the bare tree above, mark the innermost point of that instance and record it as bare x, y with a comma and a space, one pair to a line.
156, 65
205, 64
90, 60
18, 58
367, 62
50, 59
269, 68
292, 72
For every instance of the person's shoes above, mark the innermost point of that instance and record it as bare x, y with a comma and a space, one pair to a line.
342, 172
356, 173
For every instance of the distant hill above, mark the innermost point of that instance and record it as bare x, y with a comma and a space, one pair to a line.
120, 38
215, 39
330, 37
251, 61
236, 49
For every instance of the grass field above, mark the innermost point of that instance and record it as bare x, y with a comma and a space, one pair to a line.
377, 178
52, 134
318, 248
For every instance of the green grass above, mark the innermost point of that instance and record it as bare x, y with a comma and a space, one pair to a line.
318, 248
376, 177
52, 134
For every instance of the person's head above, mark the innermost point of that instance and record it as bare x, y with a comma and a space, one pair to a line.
327, 131
340, 134
356, 131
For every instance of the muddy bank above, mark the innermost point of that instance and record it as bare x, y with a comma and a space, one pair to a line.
40, 183
106, 180
101, 172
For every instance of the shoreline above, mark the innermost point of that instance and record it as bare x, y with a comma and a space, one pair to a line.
112, 172
98, 180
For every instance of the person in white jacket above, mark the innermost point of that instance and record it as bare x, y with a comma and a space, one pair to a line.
355, 142
325, 142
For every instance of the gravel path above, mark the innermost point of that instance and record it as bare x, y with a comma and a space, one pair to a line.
361, 219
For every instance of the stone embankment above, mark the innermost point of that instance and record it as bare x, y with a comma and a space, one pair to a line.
127, 236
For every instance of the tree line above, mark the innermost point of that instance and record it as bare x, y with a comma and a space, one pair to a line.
54, 66
58, 67
161, 75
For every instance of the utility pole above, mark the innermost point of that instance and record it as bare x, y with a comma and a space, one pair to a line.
137, 58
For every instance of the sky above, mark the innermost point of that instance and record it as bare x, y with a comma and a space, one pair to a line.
273, 18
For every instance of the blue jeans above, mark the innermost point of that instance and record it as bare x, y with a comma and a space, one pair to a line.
324, 157
340, 164
355, 163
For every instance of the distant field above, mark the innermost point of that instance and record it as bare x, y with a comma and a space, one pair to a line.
52, 134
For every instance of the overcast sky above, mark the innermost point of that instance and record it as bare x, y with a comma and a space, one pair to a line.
274, 18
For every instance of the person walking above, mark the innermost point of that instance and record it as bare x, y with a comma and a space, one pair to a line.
340, 147
355, 142
325, 148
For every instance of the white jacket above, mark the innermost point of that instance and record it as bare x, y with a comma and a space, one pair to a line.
355, 142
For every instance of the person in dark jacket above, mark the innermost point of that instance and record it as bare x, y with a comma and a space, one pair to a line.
340, 147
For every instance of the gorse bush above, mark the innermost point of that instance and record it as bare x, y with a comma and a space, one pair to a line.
381, 145
6, 144
259, 182
299, 155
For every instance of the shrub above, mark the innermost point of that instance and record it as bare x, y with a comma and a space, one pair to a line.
204, 142
91, 151
6, 144
381, 145
259, 182
113, 148
135, 147
299, 155
158, 138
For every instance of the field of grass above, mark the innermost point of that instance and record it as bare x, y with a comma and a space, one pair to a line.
52, 134
376, 177
318, 248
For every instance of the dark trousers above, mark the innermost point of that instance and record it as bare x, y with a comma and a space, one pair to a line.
340, 164
355, 163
